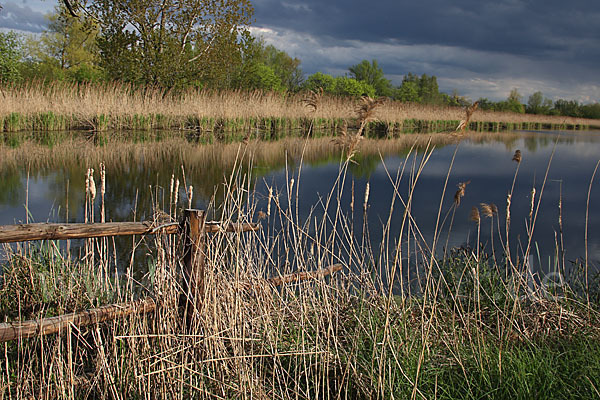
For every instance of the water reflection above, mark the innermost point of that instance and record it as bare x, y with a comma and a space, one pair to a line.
138, 182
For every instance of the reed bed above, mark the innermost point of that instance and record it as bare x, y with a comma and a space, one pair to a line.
58, 106
400, 320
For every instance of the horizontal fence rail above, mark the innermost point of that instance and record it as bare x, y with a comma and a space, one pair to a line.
60, 324
48, 231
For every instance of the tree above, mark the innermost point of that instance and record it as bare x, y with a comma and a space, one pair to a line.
285, 67
512, 103
10, 56
344, 86
320, 80
67, 49
537, 104
568, 108
256, 56
409, 89
371, 73
172, 43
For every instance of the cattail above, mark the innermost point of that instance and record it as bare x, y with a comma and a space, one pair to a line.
517, 156
291, 185
87, 180
92, 185
176, 197
171, 187
532, 203
474, 216
269, 201
486, 210
190, 195
508, 197
102, 179
366, 203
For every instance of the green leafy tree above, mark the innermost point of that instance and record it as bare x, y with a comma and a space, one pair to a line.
512, 103
172, 43
537, 104
285, 67
568, 108
67, 49
264, 77
429, 90
409, 89
371, 73
11, 52
256, 56
320, 80
344, 86
591, 111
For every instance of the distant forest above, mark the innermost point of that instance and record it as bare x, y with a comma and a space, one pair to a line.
192, 46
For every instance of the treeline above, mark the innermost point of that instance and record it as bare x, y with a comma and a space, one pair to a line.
538, 104
190, 44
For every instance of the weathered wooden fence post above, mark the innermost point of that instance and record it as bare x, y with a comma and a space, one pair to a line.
193, 262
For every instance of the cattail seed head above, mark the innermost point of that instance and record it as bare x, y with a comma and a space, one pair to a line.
102, 179
269, 202
532, 203
176, 197
367, 189
508, 197
190, 196
92, 186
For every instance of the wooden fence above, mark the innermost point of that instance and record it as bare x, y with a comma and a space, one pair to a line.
193, 228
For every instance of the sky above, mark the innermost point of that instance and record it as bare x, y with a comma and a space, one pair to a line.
478, 48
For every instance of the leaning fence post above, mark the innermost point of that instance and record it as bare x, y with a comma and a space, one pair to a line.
193, 261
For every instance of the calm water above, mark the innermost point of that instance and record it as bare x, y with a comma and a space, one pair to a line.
487, 165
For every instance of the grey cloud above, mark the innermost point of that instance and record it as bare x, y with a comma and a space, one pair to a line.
22, 18
533, 27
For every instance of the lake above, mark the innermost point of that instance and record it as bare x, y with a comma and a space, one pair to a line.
138, 180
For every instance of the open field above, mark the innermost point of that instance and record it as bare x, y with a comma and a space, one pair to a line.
398, 321
119, 107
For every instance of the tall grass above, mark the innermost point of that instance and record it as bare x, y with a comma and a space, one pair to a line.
400, 321
59, 106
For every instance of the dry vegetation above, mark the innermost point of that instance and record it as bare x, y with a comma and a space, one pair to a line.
119, 106
399, 321
465, 326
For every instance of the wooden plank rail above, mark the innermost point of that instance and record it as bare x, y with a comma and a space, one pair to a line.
59, 324
47, 231
47, 326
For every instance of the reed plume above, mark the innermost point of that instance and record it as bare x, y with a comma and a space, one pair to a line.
517, 156
468, 113
365, 110
313, 99
460, 192
474, 215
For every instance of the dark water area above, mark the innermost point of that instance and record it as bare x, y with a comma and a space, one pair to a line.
487, 164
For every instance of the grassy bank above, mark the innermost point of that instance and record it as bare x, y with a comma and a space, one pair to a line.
399, 321
228, 114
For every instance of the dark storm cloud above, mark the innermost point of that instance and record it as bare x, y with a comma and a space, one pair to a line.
535, 27
22, 18
482, 48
